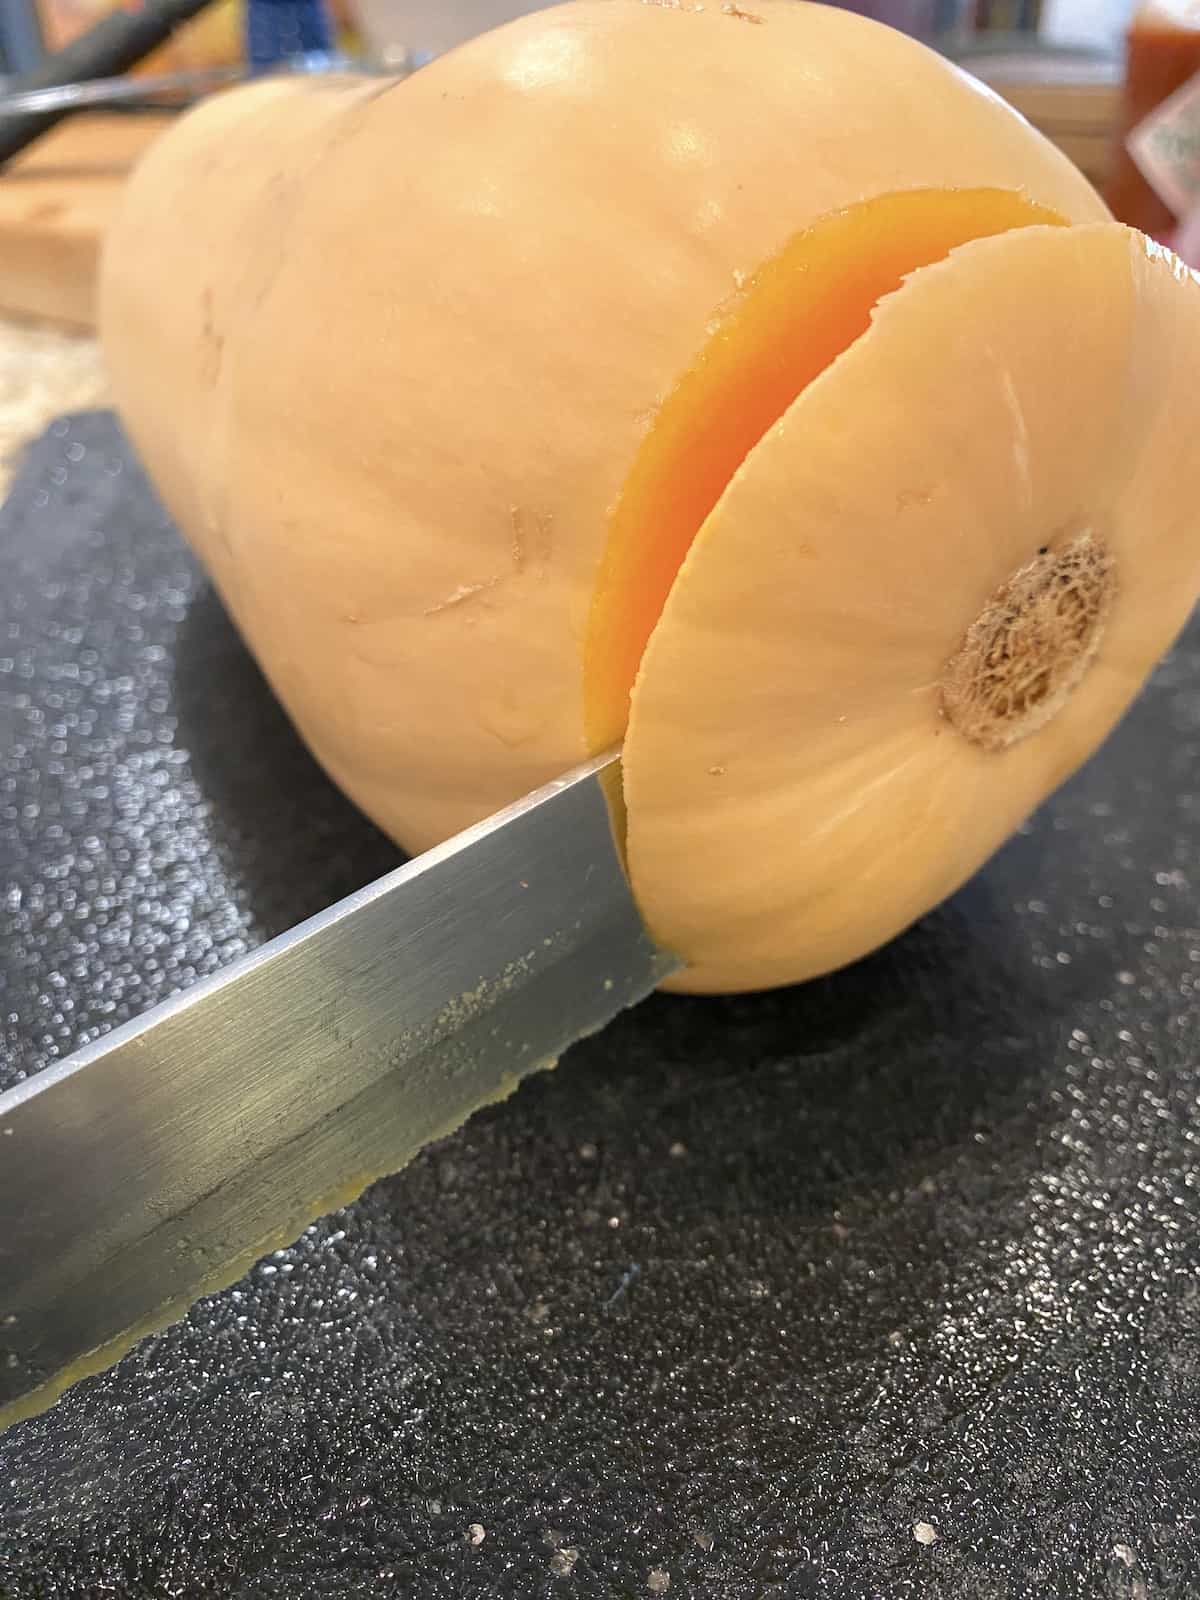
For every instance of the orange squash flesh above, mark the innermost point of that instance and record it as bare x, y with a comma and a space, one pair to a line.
796, 315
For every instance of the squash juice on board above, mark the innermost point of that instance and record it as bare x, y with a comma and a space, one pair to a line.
740, 382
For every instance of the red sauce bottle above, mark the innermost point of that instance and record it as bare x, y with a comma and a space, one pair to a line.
1162, 53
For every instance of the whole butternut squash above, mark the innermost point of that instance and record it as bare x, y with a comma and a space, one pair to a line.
747, 384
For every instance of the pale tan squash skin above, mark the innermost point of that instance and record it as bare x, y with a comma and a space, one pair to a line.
198, 240
391, 380
795, 795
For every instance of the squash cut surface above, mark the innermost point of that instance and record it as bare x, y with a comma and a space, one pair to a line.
795, 316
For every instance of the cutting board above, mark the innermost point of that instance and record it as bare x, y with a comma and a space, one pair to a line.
886, 1285
55, 203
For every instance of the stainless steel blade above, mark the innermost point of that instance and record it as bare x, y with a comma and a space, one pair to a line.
157, 1164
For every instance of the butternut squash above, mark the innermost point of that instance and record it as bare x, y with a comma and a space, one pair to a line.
745, 383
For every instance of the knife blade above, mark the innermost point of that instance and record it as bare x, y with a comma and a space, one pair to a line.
156, 1164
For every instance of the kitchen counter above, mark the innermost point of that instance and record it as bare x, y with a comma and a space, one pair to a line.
43, 373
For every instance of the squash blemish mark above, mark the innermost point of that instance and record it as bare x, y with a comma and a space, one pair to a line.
729, 9
910, 499
460, 596
212, 343
1031, 644
1022, 458
532, 540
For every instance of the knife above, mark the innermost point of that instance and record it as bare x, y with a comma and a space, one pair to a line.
157, 1164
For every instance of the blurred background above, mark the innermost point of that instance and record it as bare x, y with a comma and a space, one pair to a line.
27, 27
1114, 83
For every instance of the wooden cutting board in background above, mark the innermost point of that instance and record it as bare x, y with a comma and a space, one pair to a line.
55, 202
1074, 100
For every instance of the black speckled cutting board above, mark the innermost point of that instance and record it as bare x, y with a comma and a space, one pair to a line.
884, 1286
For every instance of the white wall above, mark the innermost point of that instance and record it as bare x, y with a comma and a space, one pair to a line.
433, 25
1090, 22
436, 25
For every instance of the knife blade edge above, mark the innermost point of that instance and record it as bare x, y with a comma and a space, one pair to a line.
583, 954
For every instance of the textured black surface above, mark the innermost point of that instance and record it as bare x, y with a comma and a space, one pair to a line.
740, 1298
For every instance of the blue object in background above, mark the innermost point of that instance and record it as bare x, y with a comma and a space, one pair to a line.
20, 36
286, 30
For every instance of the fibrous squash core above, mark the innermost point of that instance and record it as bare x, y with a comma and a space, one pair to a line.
1031, 645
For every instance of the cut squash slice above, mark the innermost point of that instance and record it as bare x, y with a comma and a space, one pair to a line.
925, 597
